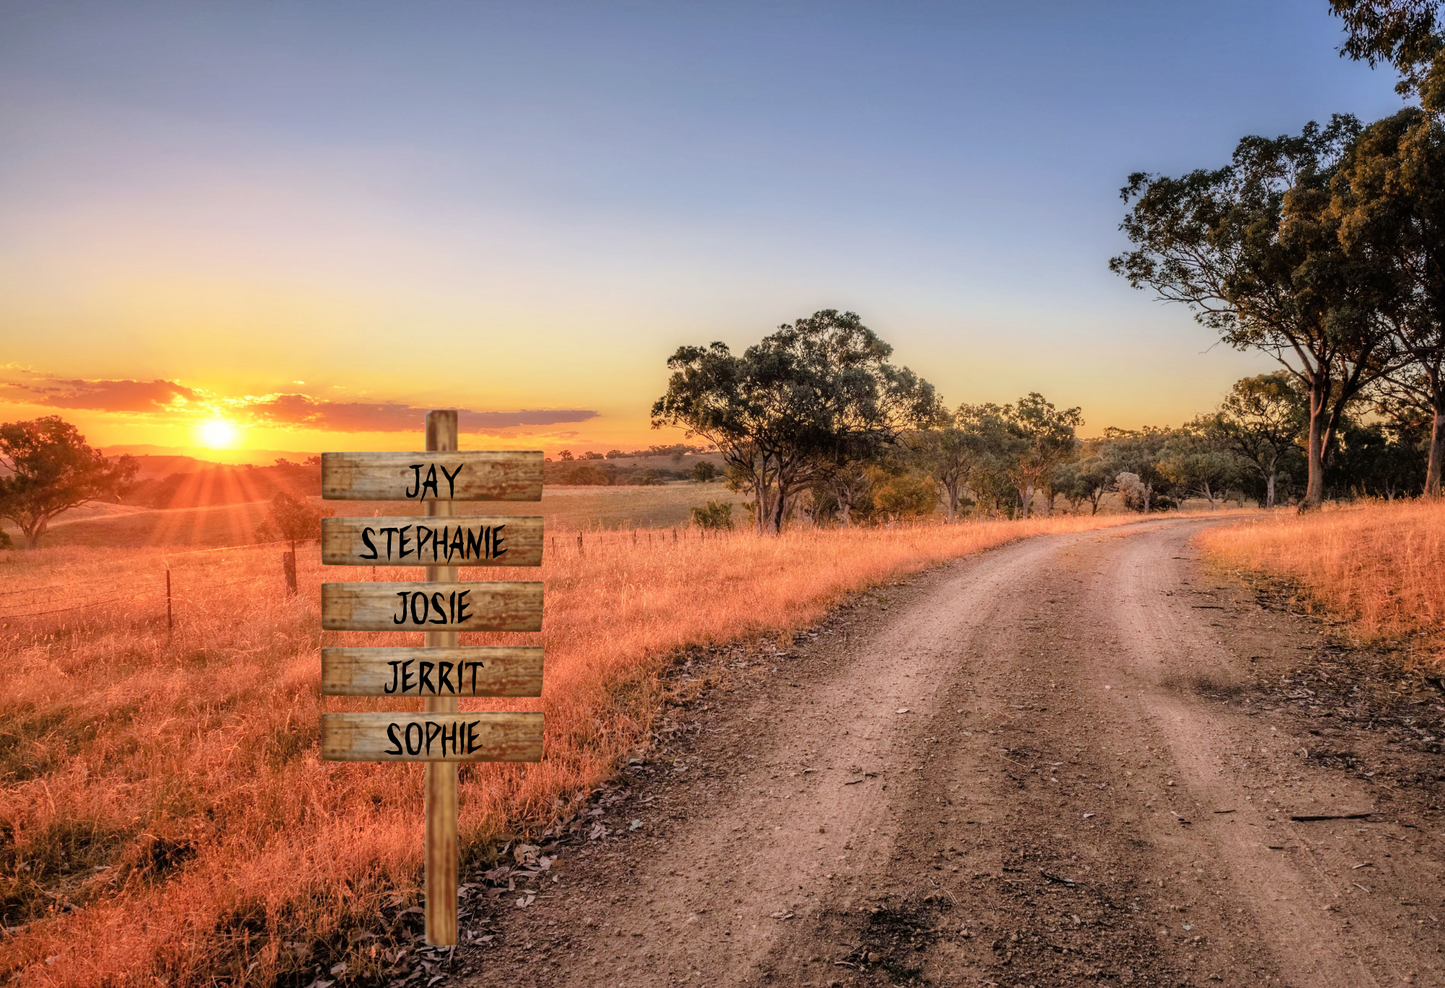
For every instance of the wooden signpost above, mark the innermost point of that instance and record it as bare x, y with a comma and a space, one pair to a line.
441, 607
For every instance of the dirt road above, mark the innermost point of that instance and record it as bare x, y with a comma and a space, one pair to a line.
1072, 760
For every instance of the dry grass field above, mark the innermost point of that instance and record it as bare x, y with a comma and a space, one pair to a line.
564, 508
1379, 566
164, 816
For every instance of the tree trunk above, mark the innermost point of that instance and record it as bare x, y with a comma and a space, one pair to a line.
1209, 496
1437, 453
1269, 487
1028, 496
33, 531
1315, 490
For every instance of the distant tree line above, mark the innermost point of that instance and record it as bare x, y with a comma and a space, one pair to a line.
814, 423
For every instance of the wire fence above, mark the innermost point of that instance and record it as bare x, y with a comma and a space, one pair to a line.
18, 604
172, 582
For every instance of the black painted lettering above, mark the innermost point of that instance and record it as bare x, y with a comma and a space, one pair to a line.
396, 741
444, 677
476, 543
450, 737
439, 604
424, 681
475, 666
461, 606
366, 541
416, 468
402, 540
406, 676
498, 540
389, 532
419, 619
423, 536
456, 545
430, 483
451, 480
395, 676
472, 745
401, 618
410, 748
432, 730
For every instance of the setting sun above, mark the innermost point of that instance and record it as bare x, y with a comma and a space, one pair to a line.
218, 434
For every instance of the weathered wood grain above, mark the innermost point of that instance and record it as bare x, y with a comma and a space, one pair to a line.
491, 670
477, 475
468, 736
440, 798
501, 540
472, 605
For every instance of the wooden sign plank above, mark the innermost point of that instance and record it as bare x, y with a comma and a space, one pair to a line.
473, 475
480, 605
494, 670
468, 736
500, 540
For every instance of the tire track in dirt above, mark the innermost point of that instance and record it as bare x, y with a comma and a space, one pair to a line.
1034, 766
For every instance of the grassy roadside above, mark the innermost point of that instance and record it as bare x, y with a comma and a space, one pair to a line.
1380, 567
165, 817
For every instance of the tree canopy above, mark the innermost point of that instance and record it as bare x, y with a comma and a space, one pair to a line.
816, 393
1389, 198
48, 469
1254, 250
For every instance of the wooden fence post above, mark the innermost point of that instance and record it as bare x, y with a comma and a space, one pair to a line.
288, 563
170, 620
441, 777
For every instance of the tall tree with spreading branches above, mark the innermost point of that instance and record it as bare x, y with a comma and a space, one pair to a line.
1261, 420
1389, 197
1253, 249
817, 392
46, 469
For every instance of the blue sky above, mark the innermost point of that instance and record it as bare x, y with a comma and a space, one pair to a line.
530, 206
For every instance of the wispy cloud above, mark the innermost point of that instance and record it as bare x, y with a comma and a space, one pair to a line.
170, 399
102, 396
391, 416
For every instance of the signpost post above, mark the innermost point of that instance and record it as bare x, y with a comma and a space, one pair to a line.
441, 671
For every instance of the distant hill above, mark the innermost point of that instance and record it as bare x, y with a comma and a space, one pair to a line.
205, 485
152, 467
235, 457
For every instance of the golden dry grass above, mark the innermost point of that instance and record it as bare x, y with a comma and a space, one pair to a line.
1379, 566
165, 817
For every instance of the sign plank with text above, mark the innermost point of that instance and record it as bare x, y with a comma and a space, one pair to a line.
457, 541
473, 475
469, 736
482, 605
481, 670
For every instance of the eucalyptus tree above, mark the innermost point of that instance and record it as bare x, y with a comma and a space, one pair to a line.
1087, 478
1253, 249
972, 439
1137, 452
1403, 33
46, 468
1262, 420
815, 393
1389, 197
1049, 437
1197, 462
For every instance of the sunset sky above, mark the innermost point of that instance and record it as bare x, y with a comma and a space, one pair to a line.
295, 226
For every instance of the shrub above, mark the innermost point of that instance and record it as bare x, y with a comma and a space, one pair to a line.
715, 515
